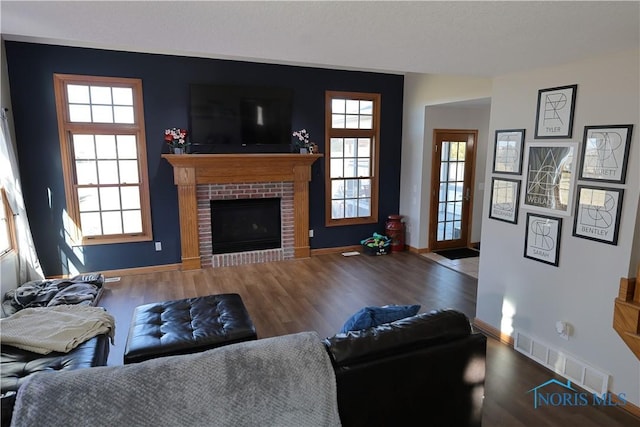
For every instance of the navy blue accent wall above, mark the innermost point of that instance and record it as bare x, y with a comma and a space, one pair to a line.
165, 81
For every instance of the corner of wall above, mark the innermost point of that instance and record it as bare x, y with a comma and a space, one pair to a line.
9, 272
420, 91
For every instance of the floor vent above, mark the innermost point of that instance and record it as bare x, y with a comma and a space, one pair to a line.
580, 373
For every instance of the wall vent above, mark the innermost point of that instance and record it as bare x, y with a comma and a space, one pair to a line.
570, 367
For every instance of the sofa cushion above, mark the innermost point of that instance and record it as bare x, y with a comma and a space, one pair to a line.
436, 327
368, 317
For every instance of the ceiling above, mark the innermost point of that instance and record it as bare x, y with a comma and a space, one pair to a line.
483, 39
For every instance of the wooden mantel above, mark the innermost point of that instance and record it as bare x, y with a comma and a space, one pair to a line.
189, 170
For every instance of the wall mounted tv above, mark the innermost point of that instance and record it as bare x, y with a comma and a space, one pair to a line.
240, 119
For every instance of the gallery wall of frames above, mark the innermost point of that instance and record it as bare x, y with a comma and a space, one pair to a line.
540, 177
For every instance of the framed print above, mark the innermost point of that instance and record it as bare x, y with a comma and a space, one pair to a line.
550, 176
605, 153
508, 151
598, 213
554, 116
542, 238
505, 194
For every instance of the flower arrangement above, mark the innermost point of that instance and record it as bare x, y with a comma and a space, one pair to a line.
302, 144
176, 137
303, 139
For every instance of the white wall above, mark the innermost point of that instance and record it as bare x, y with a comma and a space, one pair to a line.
8, 263
8, 272
515, 292
421, 90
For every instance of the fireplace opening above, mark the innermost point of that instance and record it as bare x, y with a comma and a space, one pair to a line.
241, 225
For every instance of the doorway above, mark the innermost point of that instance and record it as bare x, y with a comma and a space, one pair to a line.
451, 184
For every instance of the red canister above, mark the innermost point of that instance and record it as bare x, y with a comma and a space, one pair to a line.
395, 231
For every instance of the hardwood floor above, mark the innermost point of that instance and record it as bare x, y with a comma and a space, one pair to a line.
319, 293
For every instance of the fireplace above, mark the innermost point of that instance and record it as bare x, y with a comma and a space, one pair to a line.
204, 177
248, 193
242, 225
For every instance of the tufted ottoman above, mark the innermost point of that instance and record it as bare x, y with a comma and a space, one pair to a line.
187, 326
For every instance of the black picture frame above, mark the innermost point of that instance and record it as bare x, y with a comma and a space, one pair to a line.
597, 215
605, 153
555, 111
505, 200
550, 173
508, 151
542, 238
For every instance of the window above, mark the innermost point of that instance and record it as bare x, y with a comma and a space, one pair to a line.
102, 141
352, 132
7, 228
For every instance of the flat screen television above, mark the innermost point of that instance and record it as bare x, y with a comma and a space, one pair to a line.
240, 119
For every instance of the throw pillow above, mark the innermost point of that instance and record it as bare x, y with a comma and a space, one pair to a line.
368, 317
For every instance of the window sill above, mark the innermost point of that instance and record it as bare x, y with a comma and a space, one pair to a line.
87, 241
351, 221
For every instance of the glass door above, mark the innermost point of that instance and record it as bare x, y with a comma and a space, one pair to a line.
451, 189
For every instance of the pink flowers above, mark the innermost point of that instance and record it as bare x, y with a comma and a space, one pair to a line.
176, 137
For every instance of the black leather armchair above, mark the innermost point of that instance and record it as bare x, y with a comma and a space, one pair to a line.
427, 369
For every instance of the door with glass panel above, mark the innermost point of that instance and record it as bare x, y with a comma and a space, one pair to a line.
451, 188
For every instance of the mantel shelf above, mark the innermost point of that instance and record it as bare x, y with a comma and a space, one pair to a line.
204, 159
229, 168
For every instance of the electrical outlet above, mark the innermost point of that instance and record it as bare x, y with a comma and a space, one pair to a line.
310, 233
158, 246
563, 329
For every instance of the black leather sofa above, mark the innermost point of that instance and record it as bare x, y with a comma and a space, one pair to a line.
427, 369
17, 365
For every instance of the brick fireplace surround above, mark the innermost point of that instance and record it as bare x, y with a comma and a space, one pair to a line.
204, 177
258, 190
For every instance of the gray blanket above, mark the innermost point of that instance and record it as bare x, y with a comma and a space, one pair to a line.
83, 289
282, 381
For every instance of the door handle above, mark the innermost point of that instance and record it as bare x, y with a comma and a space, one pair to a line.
467, 194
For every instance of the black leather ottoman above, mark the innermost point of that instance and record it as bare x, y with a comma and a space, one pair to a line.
187, 326
17, 364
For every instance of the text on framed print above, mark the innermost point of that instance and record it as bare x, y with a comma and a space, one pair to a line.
554, 115
550, 176
605, 153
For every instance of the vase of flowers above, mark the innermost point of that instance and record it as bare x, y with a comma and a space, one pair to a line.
177, 140
302, 143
